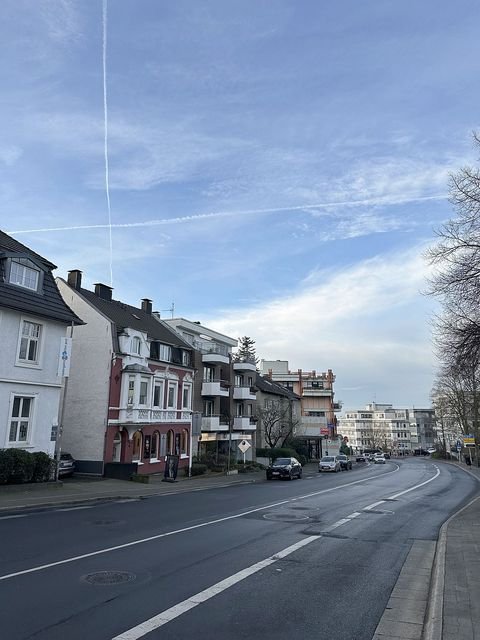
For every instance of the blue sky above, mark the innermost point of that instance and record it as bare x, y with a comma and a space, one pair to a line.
276, 168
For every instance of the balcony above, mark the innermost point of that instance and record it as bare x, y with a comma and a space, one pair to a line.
215, 388
244, 393
245, 423
215, 358
214, 423
147, 415
244, 366
318, 393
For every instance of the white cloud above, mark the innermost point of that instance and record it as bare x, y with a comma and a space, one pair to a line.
363, 322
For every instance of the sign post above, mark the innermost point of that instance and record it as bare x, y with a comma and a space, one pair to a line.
244, 446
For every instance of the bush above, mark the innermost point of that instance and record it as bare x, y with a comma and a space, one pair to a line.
276, 452
6, 465
23, 465
198, 469
43, 465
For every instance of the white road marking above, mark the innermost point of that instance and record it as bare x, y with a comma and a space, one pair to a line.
191, 528
372, 506
401, 493
355, 514
182, 607
75, 508
24, 515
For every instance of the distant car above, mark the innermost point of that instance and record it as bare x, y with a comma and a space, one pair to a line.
379, 459
387, 456
288, 468
66, 466
329, 463
361, 458
345, 462
431, 449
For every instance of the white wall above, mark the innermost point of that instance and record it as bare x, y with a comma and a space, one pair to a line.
39, 381
86, 404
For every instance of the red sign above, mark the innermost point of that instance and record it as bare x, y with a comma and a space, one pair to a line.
324, 431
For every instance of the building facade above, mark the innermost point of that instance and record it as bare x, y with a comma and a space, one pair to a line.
33, 321
382, 426
130, 392
224, 390
317, 405
278, 411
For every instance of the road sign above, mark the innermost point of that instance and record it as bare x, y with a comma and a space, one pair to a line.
469, 441
459, 446
244, 446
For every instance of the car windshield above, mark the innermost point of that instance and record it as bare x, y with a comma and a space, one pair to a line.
327, 459
65, 456
282, 461
342, 457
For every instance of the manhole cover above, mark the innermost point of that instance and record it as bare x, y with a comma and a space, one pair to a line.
285, 517
109, 577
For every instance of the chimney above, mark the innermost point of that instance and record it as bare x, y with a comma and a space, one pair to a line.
103, 291
75, 279
147, 306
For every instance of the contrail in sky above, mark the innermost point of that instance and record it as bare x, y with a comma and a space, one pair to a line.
105, 119
227, 214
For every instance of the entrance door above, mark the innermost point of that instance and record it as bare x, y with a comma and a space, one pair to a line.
117, 448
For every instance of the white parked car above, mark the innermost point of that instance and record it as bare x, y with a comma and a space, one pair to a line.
329, 463
379, 459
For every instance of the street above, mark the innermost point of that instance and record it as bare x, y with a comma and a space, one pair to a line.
316, 557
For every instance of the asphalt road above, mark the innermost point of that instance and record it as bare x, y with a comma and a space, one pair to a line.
311, 558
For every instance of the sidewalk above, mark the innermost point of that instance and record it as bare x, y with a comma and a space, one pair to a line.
454, 610
79, 490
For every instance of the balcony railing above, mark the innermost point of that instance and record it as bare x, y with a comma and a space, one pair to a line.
245, 365
244, 393
214, 423
215, 388
150, 415
245, 423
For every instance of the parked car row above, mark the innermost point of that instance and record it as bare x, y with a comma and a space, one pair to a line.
340, 462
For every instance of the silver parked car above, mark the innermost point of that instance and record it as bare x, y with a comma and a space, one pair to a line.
329, 463
66, 466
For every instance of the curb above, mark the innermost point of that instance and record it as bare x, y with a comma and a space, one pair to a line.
433, 625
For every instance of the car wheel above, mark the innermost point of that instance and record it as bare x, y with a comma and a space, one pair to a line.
300, 475
269, 477
290, 476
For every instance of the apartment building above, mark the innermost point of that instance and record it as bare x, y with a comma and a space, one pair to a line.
224, 394
378, 426
317, 405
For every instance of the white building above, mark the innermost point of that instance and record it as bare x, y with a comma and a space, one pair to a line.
378, 426
33, 321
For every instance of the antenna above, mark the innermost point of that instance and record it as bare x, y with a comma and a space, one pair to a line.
171, 309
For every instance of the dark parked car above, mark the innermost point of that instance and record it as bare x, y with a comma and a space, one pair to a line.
289, 468
345, 462
66, 466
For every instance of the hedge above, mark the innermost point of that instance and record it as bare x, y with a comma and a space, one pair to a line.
19, 466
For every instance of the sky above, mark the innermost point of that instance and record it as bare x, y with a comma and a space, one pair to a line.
273, 168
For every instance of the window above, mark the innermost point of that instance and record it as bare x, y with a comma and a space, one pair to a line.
238, 381
170, 442
24, 276
131, 390
30, 342
187, 396
209, 408
158, 395
137, 445
136, 345
165, 352
143, 391
186, 358
184, 445
239, 411
208, 374
172, 395
154, 446
20, 419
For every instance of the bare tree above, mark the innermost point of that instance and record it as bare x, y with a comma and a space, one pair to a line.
277, 421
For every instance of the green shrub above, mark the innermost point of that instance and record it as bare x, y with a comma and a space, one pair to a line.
198, 469
23, 465
6, 465
43, 465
